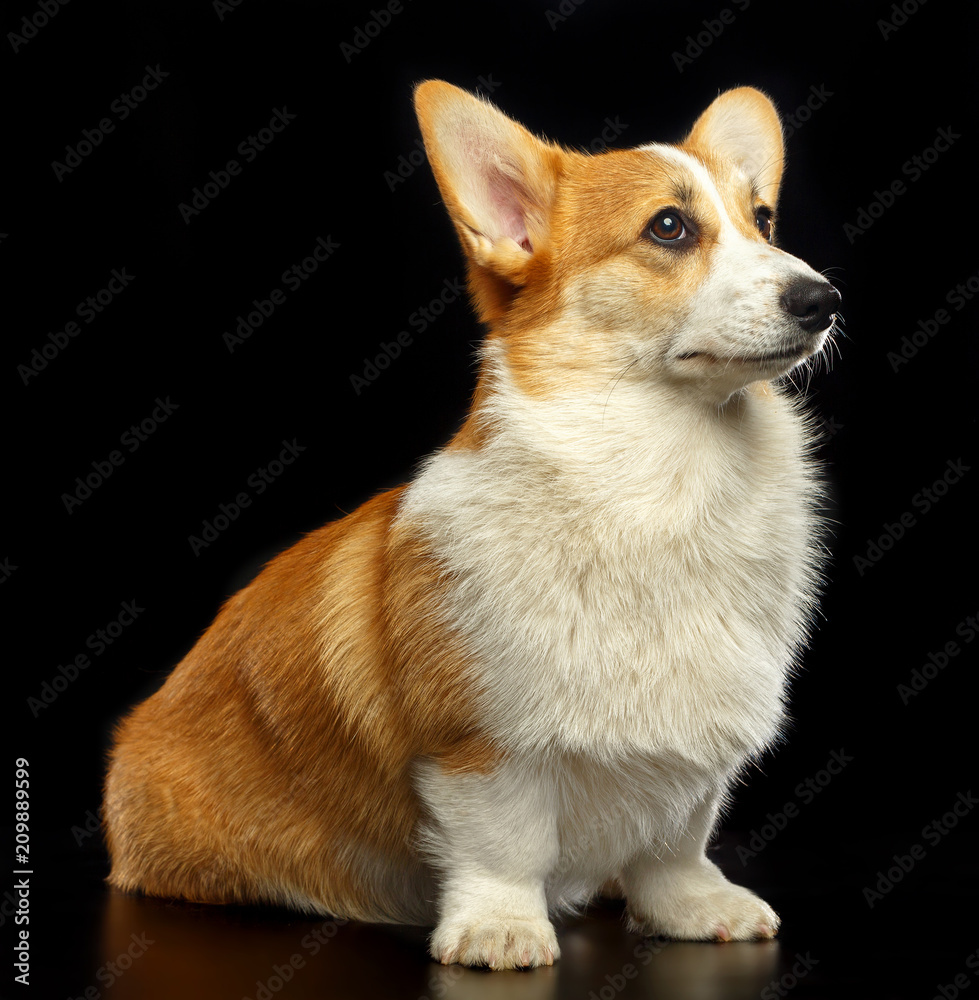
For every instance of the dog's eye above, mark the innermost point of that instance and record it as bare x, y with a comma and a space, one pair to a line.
763, 220
667, 226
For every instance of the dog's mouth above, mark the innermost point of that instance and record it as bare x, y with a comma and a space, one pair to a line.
784, 355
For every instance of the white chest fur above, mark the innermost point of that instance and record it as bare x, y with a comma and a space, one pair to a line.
630, 576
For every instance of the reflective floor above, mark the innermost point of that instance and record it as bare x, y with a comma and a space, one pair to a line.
96, 943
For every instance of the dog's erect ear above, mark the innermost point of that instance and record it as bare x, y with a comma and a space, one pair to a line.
497, 181
743, 125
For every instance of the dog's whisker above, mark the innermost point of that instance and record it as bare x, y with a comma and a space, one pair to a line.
614, 382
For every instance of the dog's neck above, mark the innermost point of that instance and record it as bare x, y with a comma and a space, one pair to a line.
634, 439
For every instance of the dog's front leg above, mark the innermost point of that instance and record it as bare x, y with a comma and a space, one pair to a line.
678, 893
493, 840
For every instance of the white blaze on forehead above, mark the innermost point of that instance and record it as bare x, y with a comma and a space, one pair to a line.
691, 165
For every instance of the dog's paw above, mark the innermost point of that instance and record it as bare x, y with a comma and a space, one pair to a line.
705, 910
500, 943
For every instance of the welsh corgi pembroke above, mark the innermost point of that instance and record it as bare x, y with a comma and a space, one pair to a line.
535, 670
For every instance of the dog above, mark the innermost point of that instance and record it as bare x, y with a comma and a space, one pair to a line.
535, 670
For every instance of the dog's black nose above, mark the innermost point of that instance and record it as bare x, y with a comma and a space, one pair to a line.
811, 302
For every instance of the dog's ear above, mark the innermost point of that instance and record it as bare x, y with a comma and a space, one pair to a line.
743, 125
497, 181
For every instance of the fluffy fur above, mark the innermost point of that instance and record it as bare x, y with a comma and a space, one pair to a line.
539, 666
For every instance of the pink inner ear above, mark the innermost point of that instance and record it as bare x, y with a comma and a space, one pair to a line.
508, 197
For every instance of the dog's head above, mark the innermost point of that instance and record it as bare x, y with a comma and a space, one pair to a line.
650, 263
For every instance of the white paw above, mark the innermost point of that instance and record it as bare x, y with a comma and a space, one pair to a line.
500, 943
704, 907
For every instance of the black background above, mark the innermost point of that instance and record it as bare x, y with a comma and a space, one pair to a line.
885, 95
